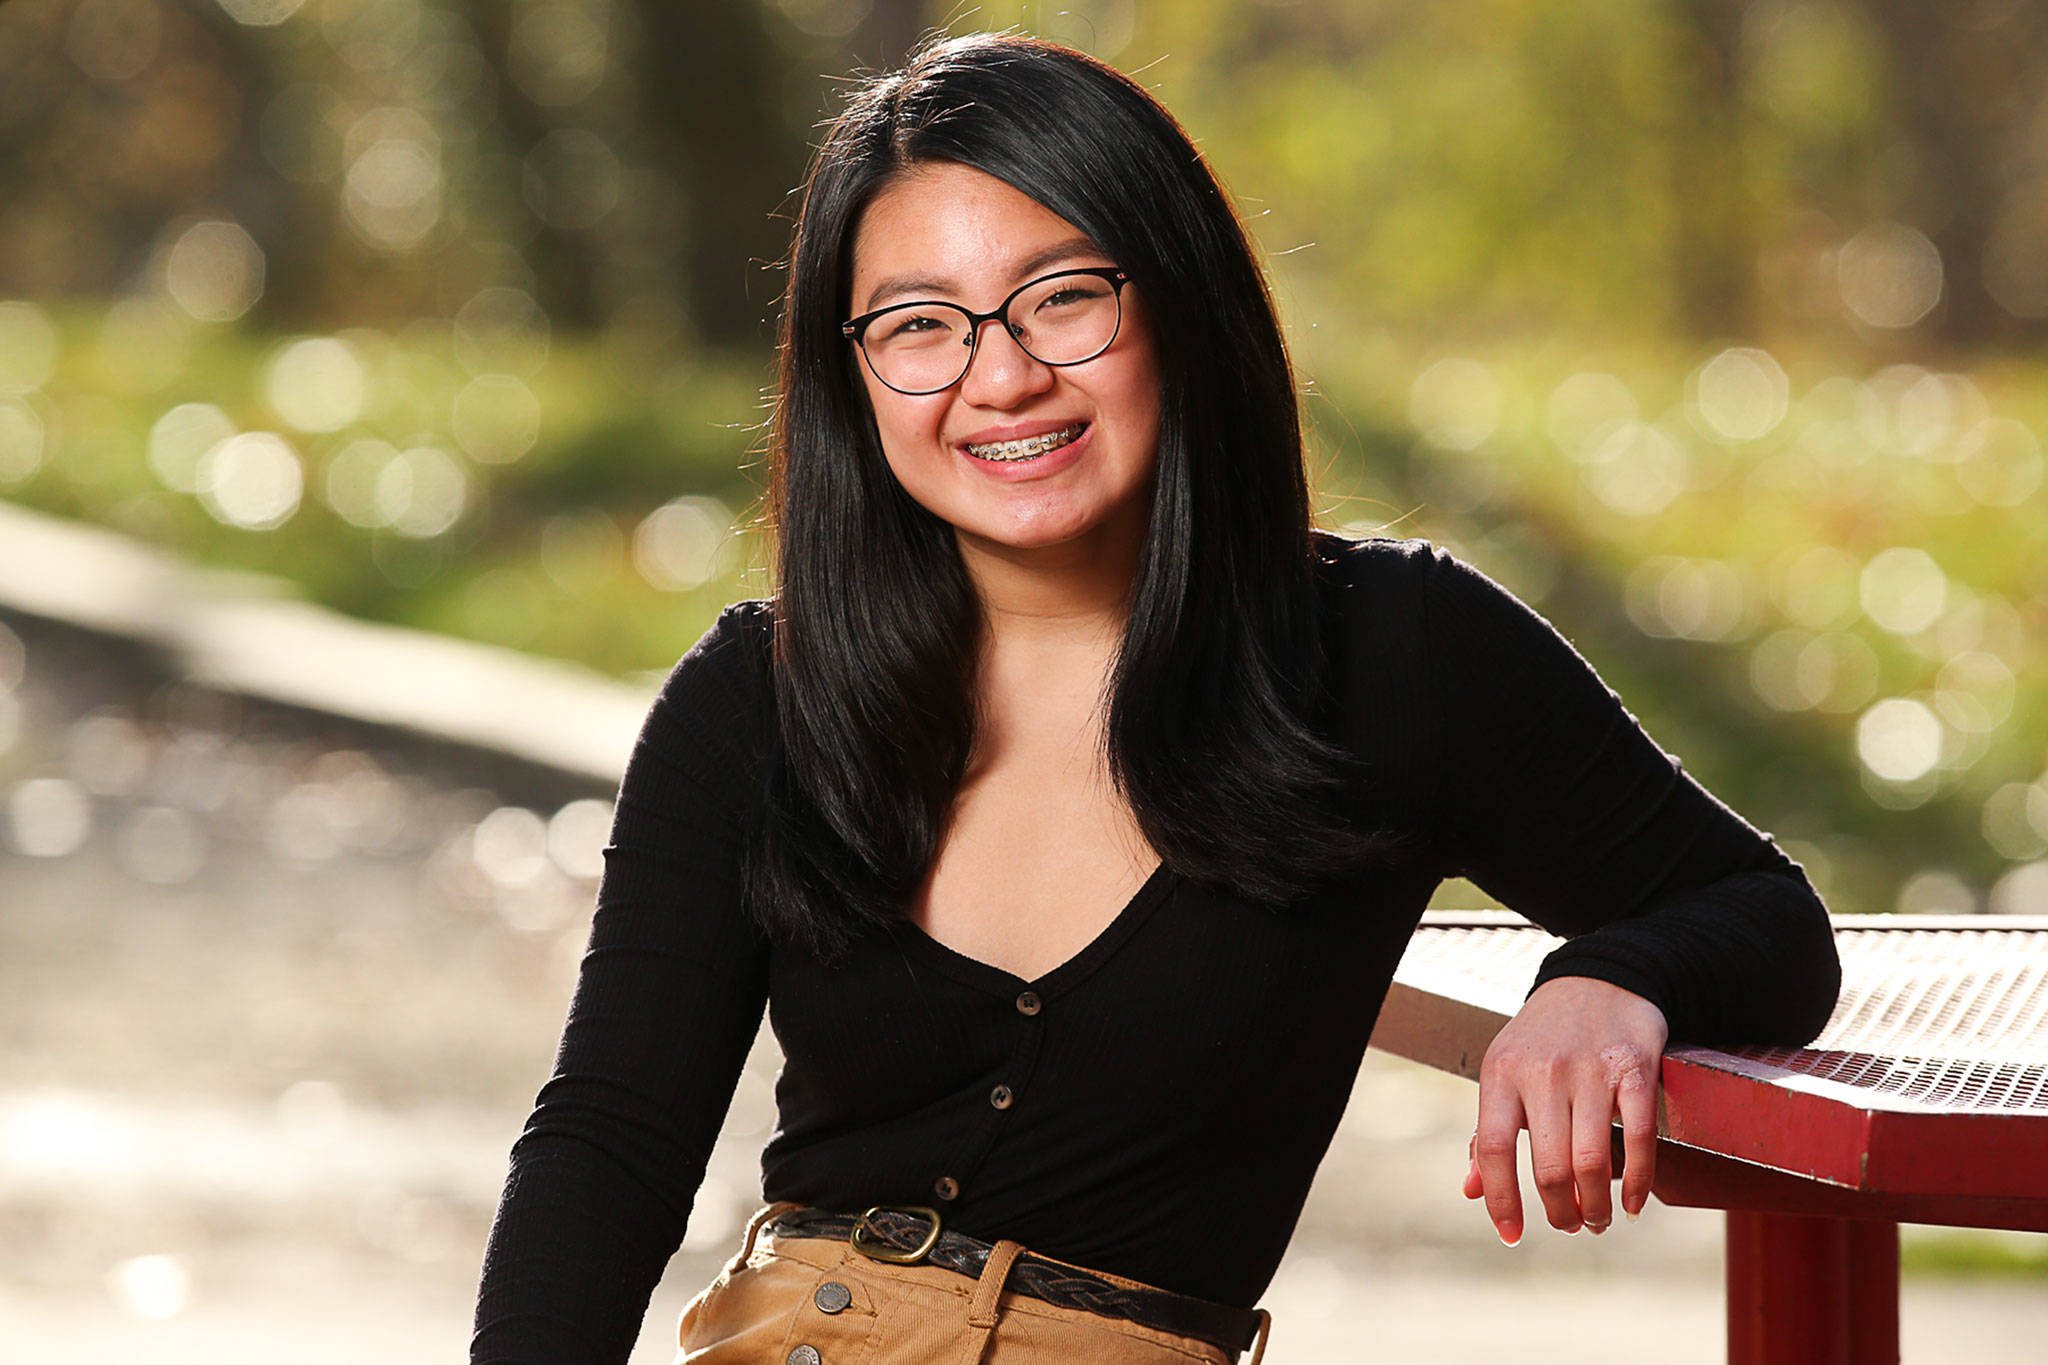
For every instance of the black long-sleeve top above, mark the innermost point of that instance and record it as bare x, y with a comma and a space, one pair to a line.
1176, 1083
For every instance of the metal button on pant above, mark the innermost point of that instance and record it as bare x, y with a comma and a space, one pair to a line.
832, 1297
805, 1355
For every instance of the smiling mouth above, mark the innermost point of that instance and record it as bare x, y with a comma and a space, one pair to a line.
1030, 448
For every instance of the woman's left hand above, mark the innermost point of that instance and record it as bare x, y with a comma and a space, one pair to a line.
1577, 1053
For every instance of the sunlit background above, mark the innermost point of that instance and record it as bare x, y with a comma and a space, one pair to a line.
1712, 329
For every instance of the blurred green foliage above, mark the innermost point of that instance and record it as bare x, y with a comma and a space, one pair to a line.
1710, 327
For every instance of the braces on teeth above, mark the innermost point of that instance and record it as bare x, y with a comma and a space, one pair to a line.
1028, 447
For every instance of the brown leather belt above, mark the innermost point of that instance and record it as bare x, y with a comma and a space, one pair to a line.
905, 1234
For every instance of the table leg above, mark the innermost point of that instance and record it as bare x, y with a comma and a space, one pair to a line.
1812, 1291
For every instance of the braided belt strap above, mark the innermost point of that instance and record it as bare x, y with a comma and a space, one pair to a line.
1219, 1324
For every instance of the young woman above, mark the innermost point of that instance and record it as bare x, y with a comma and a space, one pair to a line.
1071, 802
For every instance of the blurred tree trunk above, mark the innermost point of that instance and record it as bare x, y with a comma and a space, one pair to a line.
1963, 94
729, 112
564, 271
1714, 246
723, 110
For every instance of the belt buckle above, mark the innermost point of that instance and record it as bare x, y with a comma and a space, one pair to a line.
878, 1250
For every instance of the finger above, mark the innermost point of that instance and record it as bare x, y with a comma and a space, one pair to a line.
1592, 1127
1636, 1097
1550, 1157
1493, 1145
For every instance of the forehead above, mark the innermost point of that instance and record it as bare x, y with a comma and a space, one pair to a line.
950, 229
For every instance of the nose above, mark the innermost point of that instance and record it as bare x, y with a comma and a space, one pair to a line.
1000, 372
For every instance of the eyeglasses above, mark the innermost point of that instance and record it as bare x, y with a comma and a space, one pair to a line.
1066, 318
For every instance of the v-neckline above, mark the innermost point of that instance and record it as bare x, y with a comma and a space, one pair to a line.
987, 976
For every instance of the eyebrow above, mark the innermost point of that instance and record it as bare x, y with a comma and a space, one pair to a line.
930, 285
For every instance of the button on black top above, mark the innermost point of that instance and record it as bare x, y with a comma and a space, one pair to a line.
946, 1187
1028, 1003
1001, 1097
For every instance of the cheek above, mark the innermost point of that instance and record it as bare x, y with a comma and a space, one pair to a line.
909, 432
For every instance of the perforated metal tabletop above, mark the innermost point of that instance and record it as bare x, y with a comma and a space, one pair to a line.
1925, 1099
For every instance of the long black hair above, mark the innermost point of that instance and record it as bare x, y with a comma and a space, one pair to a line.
876, 624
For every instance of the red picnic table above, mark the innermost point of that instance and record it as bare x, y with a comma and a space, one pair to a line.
1924, 1100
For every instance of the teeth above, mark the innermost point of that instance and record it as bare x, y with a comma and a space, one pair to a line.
1028, 447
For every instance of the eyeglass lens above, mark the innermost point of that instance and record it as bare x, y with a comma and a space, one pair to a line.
926, 347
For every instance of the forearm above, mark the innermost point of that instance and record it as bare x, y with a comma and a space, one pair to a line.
1749, 958
574, 1254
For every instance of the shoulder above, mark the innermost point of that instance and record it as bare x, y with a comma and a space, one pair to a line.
1412, 570
1352, 558
1355, 571
740, 637
727, 675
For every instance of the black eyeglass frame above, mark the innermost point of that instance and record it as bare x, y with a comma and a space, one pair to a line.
855, 329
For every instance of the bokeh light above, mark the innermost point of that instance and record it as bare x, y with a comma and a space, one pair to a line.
1637, 470
316, 384
2022, 891
1816, 585
154, 1287
510, 846
1936, 891
252, 481
420, 492
1998, 462
1890, 275
214, 270
162, 845
48, 817
22, 439
1899, 739
28, 348
144, 343
1740, 395
558, 52
109, 754
678, 546
495, 418
261, 13
352, 478
2015, 820
577, 834
1687, 598
502, 330
114, 40
1902, 589
1583, 408
393, 186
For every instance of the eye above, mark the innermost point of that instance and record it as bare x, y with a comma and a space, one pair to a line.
916, 322
1067, 295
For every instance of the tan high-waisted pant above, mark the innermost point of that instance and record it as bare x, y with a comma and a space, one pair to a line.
775, 1299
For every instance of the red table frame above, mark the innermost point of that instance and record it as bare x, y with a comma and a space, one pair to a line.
1925, 1100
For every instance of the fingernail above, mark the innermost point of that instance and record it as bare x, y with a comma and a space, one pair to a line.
1573, 1232
1632, 1215
1598, 1228
1501, 1233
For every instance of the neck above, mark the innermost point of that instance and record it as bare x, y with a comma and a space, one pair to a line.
1078, 591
